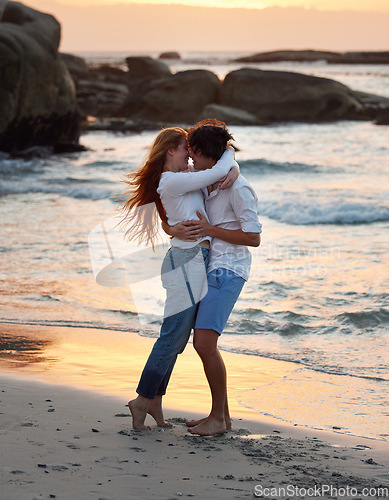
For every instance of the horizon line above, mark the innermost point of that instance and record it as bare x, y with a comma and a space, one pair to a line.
150, 3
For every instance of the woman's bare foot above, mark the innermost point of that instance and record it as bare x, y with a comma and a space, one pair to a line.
138, 414
193, 423
155, 410
210, 427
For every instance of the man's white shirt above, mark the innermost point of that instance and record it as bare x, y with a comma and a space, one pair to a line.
234, 208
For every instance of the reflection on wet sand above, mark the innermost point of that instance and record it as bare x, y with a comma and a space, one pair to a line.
19, 351
111, 361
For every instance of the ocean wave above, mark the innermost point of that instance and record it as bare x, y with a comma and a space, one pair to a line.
365, 319
13, 168
253, 320
262, 165
111, 164
79, 189
312, 365
298, 211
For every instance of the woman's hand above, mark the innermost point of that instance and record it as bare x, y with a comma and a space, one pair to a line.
206, 227
228, 180
189, 230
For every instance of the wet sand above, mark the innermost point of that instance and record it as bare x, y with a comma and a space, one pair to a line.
66, 432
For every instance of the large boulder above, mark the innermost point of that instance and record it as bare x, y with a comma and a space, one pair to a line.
100, 98
284, 96
37, 95
146, 68
178, 98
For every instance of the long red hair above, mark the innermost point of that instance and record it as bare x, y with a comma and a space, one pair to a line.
143, 204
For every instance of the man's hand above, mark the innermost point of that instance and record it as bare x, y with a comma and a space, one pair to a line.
234, 236
204, 224
189, 230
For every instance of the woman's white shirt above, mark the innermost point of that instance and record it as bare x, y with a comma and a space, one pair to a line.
182, 197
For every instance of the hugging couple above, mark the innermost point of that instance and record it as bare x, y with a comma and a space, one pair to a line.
210, 211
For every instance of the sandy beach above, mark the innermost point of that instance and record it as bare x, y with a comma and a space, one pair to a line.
64, 436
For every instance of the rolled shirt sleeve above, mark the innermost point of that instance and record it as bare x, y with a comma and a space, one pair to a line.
245, 206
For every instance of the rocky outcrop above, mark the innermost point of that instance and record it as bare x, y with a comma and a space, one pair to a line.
273, 96
178, 98
317, 55
148, 93
37, 94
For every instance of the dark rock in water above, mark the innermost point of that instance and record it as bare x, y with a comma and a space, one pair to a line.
101, 90
375, 107
77, 66
362, 58
382, 118
288, 55
273, 96
101, 98
110, 74
317, 55
148, 95
121, 125
107, 91
169, 55
178, 98
146, 68
231, 116
69, 148
37, 105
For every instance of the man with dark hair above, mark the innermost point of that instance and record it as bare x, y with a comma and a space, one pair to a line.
233, 227
209, 138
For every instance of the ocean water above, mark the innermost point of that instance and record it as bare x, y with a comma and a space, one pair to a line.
318, 290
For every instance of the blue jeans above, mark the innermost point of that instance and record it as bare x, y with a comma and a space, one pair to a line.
184, 278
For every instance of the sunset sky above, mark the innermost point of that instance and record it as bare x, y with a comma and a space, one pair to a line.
219, 25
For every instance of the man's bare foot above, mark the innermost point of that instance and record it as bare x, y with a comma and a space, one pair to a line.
210, 427
138, 416
155, 410
193, 423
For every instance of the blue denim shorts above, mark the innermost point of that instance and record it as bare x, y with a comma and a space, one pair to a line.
224, 287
